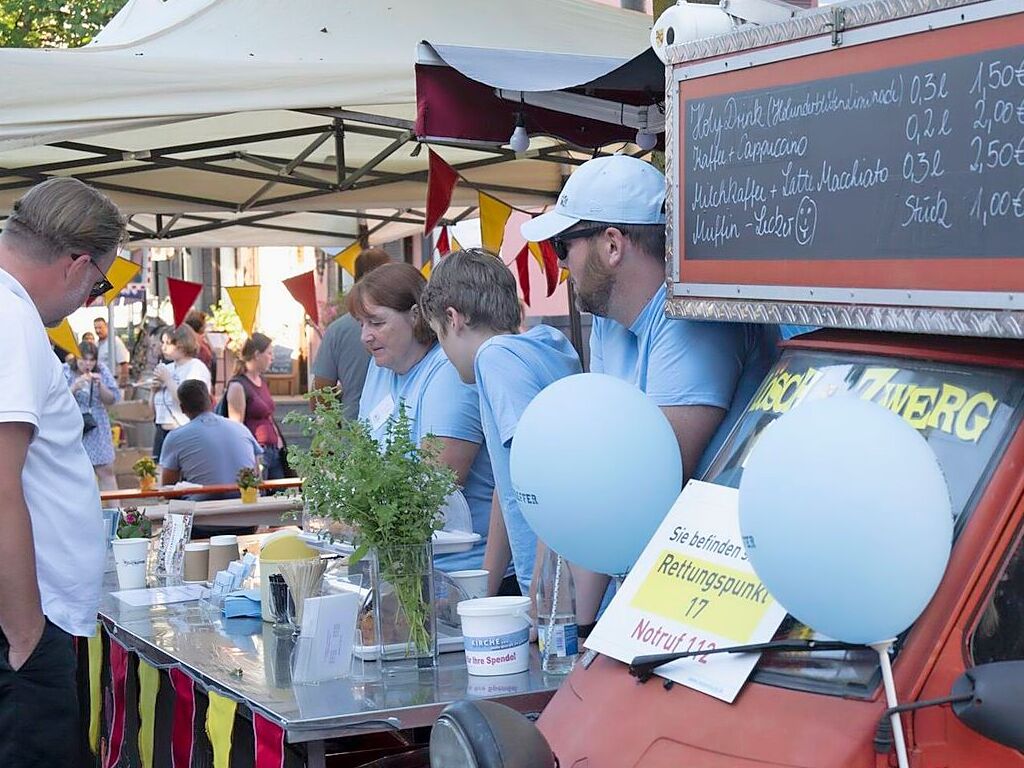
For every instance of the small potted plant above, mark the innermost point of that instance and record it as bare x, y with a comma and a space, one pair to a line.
249, 484
131, 548
145, 470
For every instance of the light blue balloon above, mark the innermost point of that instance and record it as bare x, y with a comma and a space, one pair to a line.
595, 466
846, 517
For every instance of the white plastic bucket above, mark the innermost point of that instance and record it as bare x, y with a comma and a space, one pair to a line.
496, 631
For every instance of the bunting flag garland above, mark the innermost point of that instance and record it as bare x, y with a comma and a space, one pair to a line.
182, 735
441, 181
547, 259
427, 268
118, 678
120, 274
63, 337
149, 686
347, 258
183, 295
443, 246
303, 290
269, 738
220, 720
493, 217
523, 268
245, 298
95, 692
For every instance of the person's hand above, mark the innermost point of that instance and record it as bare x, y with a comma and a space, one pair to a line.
82, 382
19, 652
163, 374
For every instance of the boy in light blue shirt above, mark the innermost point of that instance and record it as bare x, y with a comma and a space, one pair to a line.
472, 305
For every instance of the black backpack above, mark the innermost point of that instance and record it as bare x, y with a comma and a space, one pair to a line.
221, 408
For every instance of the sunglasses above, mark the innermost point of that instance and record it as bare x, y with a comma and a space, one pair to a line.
102, 285
560, 243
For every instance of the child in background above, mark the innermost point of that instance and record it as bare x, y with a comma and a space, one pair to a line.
472, 305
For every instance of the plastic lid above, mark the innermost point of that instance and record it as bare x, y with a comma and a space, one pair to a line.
495, 606
197, 546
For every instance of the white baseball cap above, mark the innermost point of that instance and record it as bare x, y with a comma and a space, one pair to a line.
618, 190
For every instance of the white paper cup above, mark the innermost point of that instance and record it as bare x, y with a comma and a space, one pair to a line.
473, 583
130, 559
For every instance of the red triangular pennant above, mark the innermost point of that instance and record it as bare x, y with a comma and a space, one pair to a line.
551, 268
523, 268
183, 295
269, 742
441, 180
303, 290
118, 689
443, 246
183, 719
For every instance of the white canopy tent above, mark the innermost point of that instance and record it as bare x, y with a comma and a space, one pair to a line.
260, 122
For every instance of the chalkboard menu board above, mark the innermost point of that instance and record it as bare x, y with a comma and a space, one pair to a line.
896, 152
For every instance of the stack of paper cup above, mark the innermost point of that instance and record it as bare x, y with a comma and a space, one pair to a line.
473, 583
197, 561
223, 552
130, 558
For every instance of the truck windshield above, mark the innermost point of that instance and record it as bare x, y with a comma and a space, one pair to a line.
966, 414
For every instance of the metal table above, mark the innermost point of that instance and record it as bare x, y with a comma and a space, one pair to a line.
247, 660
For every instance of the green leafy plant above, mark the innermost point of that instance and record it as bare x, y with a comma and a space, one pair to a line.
391, 494
144, 467
133, 524
248, 477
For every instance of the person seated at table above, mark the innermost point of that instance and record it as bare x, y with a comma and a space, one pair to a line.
409, 367
209, 449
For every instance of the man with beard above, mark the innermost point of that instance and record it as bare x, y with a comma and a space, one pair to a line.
608, 228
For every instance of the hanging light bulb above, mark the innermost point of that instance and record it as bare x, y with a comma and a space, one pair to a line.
646, 140
519, 141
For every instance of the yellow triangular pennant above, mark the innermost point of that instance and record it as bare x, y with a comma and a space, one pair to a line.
149, 686
427, 268
95, 688
537, 255
63, 337
246, 298
456, 245
120, 274
220, 719
347, 258
563, 275
493, 217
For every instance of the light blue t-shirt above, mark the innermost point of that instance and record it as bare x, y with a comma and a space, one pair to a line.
437, 403
209, 450
686, 362
510, 371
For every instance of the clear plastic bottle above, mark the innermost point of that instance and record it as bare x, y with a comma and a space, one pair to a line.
557, 634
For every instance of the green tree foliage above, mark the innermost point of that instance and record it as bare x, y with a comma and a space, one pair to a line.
53, 23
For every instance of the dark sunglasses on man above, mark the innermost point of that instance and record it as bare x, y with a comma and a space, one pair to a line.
102, 285
560, 242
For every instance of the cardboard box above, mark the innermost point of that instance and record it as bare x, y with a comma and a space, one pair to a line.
131, 410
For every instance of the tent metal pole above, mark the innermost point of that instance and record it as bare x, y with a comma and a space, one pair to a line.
339, 151
310, 149
376, 160
362, 117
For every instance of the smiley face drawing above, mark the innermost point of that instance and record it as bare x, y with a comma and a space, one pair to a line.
805, 221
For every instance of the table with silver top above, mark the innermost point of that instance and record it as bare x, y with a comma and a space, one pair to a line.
245, 658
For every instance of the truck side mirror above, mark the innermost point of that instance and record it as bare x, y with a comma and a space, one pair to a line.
995, 708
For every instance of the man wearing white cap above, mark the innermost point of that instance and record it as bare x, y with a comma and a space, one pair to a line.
608, 228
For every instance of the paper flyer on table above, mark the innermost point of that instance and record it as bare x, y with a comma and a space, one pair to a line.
693, 589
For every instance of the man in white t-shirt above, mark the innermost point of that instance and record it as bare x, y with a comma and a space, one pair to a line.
55, 250
121, 358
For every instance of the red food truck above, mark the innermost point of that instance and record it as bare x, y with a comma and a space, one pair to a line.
859, 169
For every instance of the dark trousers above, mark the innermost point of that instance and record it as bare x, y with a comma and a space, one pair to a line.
158, 441
273, 468
39, 725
